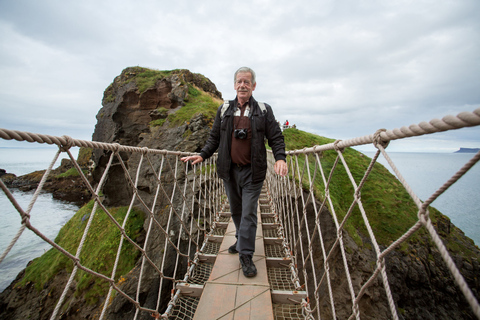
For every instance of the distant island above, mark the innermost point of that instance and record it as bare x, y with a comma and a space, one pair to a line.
467, 150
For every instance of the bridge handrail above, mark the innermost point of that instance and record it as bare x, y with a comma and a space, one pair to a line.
293, 186
199, 192
450, 122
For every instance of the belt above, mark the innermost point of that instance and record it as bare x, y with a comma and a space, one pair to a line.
241, 165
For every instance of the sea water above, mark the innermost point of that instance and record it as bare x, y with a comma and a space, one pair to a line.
425, 173
47, 215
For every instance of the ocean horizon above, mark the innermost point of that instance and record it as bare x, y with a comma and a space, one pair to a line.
425, 173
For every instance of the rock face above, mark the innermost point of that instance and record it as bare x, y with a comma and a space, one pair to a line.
127, 113
126, 119
467, 150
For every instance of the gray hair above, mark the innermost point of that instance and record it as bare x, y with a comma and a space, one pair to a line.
245, 69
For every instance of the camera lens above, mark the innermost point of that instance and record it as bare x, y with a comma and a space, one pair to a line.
240, 133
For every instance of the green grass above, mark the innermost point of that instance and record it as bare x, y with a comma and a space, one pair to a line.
390, 210
198, 102
98, 252
144, 78
84, 156
157, 123
72, 172
148, 78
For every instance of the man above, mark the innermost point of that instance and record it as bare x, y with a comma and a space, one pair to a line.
238, 133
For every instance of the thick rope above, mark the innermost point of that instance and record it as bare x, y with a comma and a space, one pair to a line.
462, 120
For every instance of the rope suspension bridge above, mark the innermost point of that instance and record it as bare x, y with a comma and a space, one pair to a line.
302, 265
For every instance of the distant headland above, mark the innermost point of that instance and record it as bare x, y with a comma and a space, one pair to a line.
467, 150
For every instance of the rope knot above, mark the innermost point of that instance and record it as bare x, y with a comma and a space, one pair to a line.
356, 309
64, 147
315, 149
358, 194
423, 215
377, 140
116, 147
381, 263
25, 218
336, 147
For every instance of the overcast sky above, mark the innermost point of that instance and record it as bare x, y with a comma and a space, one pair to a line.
339, 69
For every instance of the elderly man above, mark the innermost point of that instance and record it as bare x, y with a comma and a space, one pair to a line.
239, 133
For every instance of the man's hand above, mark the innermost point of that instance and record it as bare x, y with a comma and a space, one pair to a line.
281, 168
195, 159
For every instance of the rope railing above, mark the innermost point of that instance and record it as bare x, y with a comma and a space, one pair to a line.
462, 120
191, 199
181, 209
309, 185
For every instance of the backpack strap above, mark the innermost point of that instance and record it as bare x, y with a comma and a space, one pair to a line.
224, 108
226, 104
262, 107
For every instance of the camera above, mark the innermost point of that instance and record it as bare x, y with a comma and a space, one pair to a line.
240, 133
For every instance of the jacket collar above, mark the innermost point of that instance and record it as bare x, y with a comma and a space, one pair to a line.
251, 102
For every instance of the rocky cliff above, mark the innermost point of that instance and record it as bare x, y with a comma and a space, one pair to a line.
148, 108
141, 108
467, 150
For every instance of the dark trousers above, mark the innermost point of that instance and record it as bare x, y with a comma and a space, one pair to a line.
243, 197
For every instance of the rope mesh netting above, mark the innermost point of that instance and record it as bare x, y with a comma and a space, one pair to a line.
195, 199
313, 174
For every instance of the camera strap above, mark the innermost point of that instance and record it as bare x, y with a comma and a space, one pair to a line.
238, 116
226, 104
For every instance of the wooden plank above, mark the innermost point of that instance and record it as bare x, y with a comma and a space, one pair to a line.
268, 215
215, 238
221, 225
268, 226
273, 241
288, 297
278, 262
208, 258
225, 214
190, 289
228, 294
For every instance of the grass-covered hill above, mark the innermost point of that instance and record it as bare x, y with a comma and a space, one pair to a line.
389, 208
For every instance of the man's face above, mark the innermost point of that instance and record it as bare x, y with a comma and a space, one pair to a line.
244, 86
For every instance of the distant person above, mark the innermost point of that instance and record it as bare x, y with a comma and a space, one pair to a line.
286, 123
239, 135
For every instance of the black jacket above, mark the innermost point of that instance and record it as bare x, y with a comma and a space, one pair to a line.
263, 125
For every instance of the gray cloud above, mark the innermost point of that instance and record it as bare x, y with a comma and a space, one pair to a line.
333, 68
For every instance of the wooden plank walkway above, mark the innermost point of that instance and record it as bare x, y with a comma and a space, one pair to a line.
228, 294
